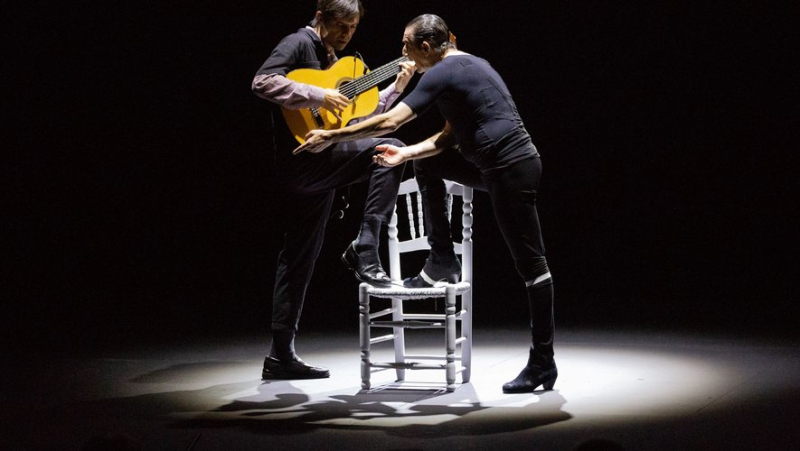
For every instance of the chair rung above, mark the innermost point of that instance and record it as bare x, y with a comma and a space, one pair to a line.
407, 324
460, 340
381, 339
432, 316
413, 245
382, 313
428, 357
407, 365
383, 366
424, 316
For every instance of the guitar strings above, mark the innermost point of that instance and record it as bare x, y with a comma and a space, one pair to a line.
359, 85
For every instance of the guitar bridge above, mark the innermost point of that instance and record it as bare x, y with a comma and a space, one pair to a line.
317, 117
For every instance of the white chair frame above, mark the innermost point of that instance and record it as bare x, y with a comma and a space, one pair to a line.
401, 321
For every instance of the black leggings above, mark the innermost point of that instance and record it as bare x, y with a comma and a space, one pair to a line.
512, 191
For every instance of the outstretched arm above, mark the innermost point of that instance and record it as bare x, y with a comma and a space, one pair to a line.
319, 140
393, 155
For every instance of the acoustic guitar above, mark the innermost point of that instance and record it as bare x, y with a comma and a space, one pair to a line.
353, 79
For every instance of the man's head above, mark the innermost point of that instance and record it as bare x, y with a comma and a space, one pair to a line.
426, 39
337, 20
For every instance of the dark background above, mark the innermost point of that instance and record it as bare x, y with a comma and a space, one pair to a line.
139, 204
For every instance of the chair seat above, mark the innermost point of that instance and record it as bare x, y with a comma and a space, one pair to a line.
399, 292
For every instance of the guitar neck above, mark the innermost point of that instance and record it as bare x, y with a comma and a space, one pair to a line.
370, 80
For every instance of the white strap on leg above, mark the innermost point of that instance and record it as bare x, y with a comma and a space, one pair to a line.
538, 280
426, 278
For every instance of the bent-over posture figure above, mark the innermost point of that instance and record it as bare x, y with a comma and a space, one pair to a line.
484, 145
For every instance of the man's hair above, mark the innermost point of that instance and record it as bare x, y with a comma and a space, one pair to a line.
338, 9
432, 29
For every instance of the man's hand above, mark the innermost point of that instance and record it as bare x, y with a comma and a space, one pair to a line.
316, 142
389, 156
407, 69
335, 102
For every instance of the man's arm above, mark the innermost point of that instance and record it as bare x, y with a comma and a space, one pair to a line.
392, 92
294, 95
393, 155
287, 93
318, 140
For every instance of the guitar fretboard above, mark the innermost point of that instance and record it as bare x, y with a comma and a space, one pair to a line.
370, 80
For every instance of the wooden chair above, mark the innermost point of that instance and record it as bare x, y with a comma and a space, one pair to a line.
394, 317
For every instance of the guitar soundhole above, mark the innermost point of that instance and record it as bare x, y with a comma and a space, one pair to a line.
344, 90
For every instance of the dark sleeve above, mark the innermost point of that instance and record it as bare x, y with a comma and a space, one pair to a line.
282, 59
428, 89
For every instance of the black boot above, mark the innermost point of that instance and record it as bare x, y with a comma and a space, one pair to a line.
366, 266
283, 363
540, 370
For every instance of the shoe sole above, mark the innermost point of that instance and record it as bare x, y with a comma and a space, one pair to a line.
546, 385
268, 375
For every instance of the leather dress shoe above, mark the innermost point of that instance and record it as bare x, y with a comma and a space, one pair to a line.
293, 369
366, 270
531, 377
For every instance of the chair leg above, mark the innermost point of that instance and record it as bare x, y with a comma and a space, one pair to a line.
399, 339
364, 333
466, 332
450, 337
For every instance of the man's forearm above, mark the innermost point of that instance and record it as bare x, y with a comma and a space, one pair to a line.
287, 93
319, 139
375, 126
429, 147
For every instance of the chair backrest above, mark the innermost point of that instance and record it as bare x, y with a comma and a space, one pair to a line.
412, 227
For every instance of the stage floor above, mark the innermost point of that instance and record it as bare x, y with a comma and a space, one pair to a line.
643, 391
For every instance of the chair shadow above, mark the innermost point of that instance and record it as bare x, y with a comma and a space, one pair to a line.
281, 408
396, 411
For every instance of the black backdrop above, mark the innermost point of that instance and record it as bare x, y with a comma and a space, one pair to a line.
139, 201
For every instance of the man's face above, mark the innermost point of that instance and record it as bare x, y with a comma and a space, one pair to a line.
337, 33
414, 53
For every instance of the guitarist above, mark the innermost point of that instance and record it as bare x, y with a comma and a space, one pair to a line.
307, 182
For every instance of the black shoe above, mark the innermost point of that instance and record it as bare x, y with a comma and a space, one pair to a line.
294, 369
532, 377
366, 269
433, 273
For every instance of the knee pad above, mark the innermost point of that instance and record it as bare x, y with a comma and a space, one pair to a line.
534, 271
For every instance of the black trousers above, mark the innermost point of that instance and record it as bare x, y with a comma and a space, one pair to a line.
512, 191
307, 185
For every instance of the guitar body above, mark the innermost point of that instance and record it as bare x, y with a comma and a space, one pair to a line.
344, 70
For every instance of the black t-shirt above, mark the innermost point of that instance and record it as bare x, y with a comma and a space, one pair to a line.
477, 104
